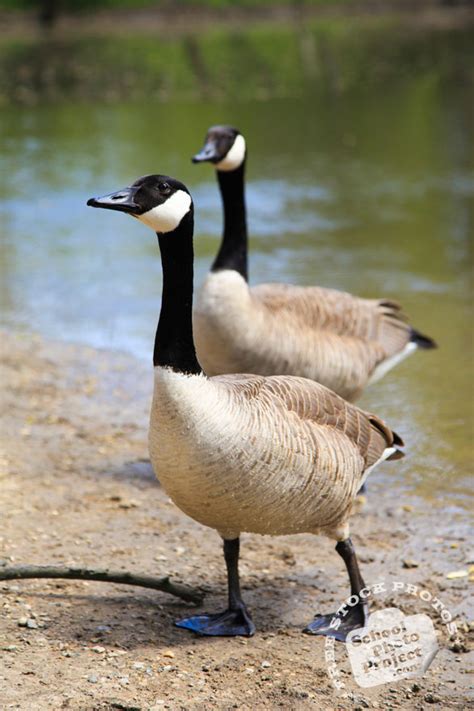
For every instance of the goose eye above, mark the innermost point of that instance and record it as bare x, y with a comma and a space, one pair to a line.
164, 188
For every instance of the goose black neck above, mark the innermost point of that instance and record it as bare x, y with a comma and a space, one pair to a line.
233, 250
174, 344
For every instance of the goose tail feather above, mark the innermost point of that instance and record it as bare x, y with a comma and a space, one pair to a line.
393, 440
422, 341
397, 442
397, 454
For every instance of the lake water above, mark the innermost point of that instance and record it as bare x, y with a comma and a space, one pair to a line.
369, 191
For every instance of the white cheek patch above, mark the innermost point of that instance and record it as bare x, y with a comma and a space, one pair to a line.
235, 156
166, 217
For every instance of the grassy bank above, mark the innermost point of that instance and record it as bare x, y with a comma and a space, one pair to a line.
331, 56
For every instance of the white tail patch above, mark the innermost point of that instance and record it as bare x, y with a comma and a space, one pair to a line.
385, 455
234, 157
167, 216
389, 363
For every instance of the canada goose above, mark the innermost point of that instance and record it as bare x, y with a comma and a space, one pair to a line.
342, 341
268, 455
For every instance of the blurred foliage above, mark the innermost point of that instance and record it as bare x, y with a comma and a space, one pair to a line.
331, 56
84, 5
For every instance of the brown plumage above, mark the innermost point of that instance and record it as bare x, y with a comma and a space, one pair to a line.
339, 340
274, 455
349, 336
376, 321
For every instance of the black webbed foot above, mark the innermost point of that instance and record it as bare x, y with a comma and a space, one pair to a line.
230, 623
235, 620
339, 625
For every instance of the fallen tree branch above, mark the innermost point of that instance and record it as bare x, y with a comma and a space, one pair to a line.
104, 575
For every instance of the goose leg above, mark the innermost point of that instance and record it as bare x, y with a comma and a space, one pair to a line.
350, 618
236, 619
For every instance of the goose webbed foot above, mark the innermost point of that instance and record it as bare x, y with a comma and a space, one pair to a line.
339, 625
236, 620
349, 617
231, 623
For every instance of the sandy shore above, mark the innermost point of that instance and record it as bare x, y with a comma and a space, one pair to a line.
77, 488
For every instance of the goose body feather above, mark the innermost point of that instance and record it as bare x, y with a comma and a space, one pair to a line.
335, 338
270, 455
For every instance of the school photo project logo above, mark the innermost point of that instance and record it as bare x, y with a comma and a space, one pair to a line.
393, 645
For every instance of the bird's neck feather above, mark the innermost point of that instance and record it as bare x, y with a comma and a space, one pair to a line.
233, 250
174, 344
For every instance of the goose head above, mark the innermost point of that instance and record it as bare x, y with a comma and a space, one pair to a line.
224, 147
160, 202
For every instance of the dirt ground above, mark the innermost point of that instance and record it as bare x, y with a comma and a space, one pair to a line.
77, 489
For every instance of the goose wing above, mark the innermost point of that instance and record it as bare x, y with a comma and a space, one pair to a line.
317, 404
306, 402
374, 321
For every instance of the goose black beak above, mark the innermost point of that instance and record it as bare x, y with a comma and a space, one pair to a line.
208, 153
122, 200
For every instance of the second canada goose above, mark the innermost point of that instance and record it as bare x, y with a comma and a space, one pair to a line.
340, 340
268, 455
